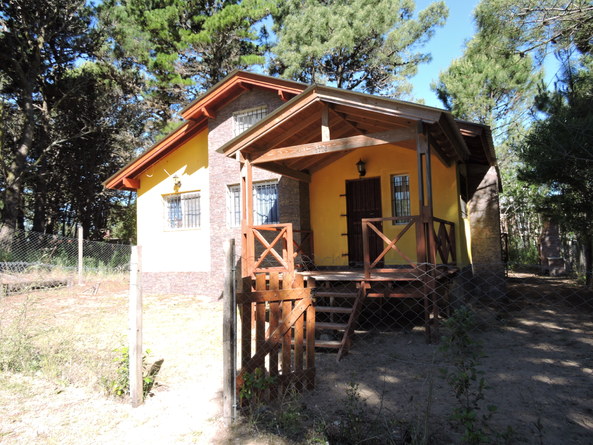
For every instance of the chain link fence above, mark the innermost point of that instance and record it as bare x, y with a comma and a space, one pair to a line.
34, 261
425, 354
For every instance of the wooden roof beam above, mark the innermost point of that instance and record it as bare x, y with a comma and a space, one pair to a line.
335, 145
346, 121
285, 171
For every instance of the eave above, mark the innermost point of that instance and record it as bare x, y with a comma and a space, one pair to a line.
196, 116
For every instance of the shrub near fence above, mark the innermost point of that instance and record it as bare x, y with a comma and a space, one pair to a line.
30, 260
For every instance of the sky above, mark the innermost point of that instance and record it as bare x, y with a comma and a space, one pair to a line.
447, 44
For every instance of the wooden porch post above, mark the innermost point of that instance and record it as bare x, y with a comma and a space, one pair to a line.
248, 244
424, 239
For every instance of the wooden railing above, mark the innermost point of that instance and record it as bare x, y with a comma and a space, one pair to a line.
441, 242
303, 249
444, 241
262, 255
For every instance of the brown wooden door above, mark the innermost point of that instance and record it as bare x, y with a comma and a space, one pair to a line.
363, 200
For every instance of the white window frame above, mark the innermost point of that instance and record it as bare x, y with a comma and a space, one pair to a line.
265, 204
182, 211
234, 205
400, 204
244, 119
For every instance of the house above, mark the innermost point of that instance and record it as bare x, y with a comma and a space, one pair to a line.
261, 159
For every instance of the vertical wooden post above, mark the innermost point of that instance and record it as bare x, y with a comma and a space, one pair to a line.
248, 247
229, 335
80, 256
135, 321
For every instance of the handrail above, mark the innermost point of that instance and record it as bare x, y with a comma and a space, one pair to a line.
284, 259
441, 241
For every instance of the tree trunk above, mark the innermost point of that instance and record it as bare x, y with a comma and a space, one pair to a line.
13, 193
588, 250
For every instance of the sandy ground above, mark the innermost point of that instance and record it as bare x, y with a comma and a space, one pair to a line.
538, 364
185, 406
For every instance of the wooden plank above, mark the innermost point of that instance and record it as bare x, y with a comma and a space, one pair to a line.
131, 183
325, 133
301, 125
275, 314
260, 320
273, 295
310, 350
336, 145
286, 171
287, 338
284, 326
299, 329
135, 332
229, 335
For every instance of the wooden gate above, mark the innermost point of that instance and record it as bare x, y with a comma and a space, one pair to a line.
277, 331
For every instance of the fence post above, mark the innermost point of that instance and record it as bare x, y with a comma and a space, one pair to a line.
135, 321
80, 255
229, 335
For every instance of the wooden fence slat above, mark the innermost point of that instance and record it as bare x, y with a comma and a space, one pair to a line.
310, 332
272, 295
273, 325
284, 326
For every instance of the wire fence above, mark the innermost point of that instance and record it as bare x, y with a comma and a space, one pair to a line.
33, 261
427, 354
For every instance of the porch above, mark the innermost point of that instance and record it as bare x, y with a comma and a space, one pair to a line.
342, 293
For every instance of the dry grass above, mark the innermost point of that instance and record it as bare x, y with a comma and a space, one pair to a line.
55, 396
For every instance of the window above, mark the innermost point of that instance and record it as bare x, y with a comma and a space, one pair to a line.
400, 196
234, 205
182, 210
265, 204
247, 118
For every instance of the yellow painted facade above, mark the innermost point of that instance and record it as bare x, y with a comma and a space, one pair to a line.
328, 202
175, 250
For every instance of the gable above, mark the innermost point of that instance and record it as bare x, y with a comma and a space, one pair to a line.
197, 116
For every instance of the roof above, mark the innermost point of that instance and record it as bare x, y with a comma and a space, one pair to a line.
353, 119
298, 122
196, 116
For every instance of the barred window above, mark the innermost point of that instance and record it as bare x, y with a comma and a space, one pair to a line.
265, 204
247, 118
182, 210
234, 205
400, 196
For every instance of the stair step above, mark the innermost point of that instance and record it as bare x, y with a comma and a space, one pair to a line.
333, 309
329, 325
335, 294
328, 344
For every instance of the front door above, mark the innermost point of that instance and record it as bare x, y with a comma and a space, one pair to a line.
363, 200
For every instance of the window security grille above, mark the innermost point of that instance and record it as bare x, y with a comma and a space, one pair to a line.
400, 195
247, 118
265, 204
234, 206
182, 211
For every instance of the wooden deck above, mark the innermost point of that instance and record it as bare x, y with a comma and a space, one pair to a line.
395, 274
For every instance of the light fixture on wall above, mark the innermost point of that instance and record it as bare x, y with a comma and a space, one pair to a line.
176, 182
361, 167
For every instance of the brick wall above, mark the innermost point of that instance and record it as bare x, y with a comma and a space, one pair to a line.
223, 171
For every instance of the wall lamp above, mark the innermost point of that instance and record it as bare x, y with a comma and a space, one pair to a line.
176, 182
361, 167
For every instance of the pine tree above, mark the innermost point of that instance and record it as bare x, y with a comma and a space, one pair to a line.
372, 46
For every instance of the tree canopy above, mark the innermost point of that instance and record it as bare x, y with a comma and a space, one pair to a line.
372, 46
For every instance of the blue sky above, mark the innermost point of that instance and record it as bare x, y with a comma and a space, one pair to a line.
446, 45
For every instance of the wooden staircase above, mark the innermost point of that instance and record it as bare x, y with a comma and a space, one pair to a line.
338, 315
338, 311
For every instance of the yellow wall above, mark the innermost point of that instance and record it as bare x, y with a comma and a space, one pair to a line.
181, 250
327, 205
